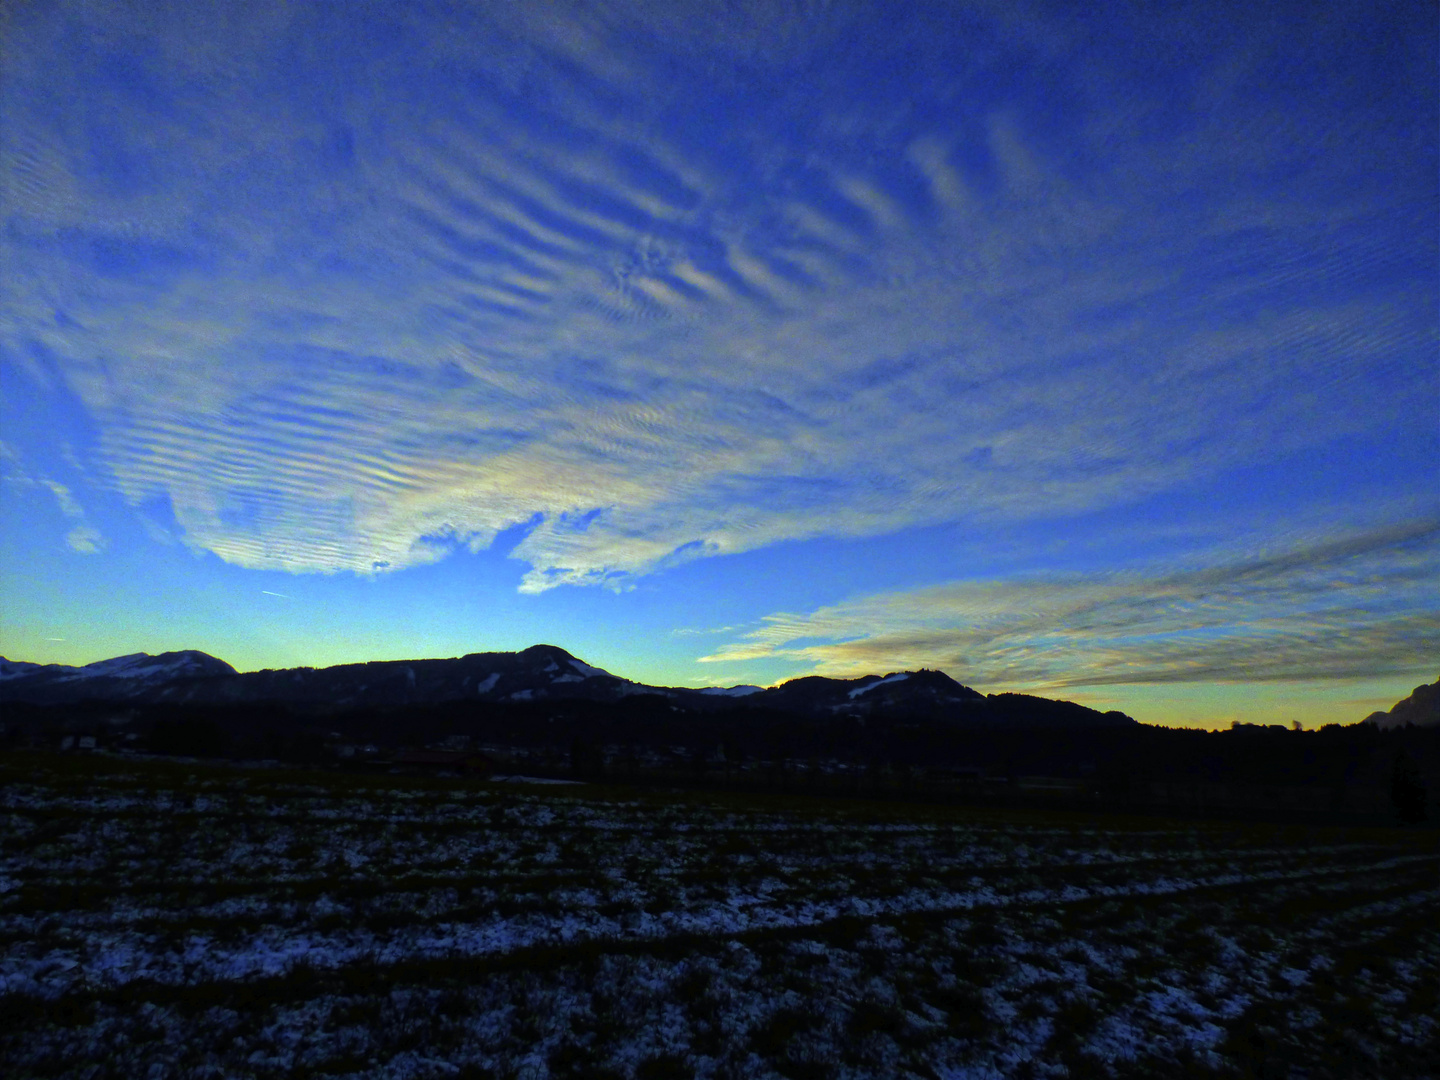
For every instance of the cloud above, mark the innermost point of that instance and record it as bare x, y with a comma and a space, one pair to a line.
85, 539
640, 315
69, 505
1344, 607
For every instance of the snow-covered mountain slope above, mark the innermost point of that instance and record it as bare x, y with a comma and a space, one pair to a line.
899, 676
15, 669
119, 678
538, 673
927, 692
152, 669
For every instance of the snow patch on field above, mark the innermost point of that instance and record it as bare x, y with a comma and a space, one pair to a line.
511, 928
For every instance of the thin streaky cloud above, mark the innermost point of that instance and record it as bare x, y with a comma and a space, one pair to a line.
69, 505
1342, 608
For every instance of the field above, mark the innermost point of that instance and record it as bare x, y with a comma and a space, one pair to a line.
165, 919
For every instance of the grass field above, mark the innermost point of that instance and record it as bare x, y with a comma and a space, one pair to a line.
162, 919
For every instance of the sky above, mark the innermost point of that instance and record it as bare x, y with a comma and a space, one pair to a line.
1080, 350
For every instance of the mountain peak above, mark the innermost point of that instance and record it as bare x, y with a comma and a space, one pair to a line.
184, 663
1421, 708
542, 651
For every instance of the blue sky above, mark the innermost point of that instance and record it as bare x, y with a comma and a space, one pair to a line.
1085, 351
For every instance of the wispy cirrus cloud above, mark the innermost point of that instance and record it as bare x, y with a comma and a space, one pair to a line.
1342, 607
82, 536
527, 279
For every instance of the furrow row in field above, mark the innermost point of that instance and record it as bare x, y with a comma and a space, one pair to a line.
226, 923
110, 958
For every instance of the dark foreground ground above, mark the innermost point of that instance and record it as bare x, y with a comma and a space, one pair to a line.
166, 919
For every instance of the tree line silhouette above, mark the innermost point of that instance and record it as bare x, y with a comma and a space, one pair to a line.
645, 739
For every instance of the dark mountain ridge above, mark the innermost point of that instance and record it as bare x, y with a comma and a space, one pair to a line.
543, 710
541, 673
1421, 708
